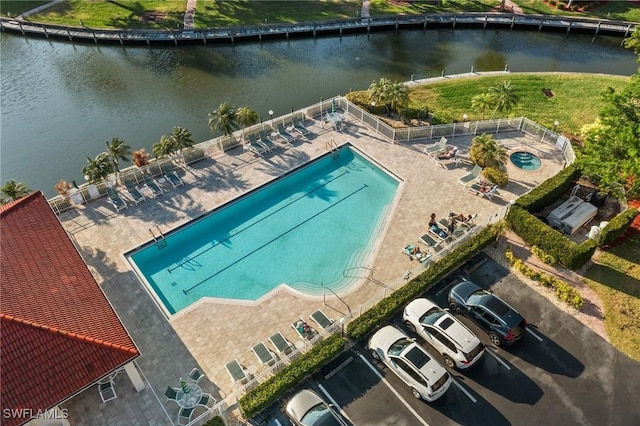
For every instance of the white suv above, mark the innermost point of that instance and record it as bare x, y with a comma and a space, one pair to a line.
457, 344
427, 378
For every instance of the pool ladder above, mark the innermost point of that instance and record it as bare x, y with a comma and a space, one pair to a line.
159, 239
331, 145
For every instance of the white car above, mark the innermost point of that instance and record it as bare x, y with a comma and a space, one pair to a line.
306, 408
457, 344
427, 378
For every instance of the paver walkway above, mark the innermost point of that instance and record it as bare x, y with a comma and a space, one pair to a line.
189, 14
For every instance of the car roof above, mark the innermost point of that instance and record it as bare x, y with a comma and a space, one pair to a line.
431, 369
302, 402
510, 316
387, 336
464, 289
446, 323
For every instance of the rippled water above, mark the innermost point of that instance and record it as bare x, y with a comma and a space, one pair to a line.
60, 102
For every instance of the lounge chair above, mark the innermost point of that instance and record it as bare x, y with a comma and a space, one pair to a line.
304, 330
173, 178
298, 126
115, 199
421, 256
171, 394
107, 391
196, 375
152, 186
134, 192
264, 354
254, 146
284, 134
282, 345
436, 147
267, 141
429, 241
323, 321
442, 161
237, 372
479, 189
440, 234
471, 176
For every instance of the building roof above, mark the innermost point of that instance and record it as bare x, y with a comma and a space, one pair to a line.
59, 332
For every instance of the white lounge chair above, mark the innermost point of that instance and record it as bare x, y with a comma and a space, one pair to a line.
115, 199
173, 178
304, 330
436, 147
264, 354
134, 192
323, 321
471, 176
284, 134
238, 374
282, 345
298, 126
442, 161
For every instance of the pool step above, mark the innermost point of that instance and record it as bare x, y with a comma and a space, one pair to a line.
159, 239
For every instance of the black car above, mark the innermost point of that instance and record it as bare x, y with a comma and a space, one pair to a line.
503, 323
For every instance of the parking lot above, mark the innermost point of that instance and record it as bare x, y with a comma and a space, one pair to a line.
559, 373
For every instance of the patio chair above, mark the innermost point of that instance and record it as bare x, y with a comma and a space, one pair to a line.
107, 391
153, 186
196, 375
429, 241
282, 345
264, 355
452, 159
115, 199
436, 147
173, 178
134, 192
238, 374
256, 148
206, 400
267, 141
184, 417
421, 256
284, 134
298, 126
171, 394
471, 176
304, 330
323, 321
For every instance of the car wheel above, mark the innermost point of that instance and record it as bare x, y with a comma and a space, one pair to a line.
415, 393
375, 355
495, 339
450, 362
455, 308
410, 326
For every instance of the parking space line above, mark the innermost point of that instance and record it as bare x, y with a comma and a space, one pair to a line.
335, 404
277, 422
466, 392
534, 334
392, 389
497, 358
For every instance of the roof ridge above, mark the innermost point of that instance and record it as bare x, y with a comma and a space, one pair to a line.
68, 334
12, 204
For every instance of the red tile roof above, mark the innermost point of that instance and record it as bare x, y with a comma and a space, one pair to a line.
59, 331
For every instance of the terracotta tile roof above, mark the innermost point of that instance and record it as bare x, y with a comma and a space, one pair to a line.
59, 332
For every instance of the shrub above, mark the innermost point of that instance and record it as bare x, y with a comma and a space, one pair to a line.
543, 256
496, 176
375, 317
274, 388
418, 113
562, 290
216, 421
550, 190
616, 227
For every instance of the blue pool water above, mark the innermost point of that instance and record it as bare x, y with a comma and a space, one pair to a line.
525, 160
304, 230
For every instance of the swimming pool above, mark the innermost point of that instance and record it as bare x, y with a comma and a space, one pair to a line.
306, 229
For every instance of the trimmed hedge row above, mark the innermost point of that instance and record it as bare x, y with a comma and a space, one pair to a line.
616, 227
550, 190
563, 291
554, 243
543, 255
380, 313
277, 386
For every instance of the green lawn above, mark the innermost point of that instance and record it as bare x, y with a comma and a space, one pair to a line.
615, 277
620, 10
577, 98
384, 7
15, 8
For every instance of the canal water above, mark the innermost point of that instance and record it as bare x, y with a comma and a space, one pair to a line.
60, 102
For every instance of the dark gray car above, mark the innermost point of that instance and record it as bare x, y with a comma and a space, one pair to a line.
503, 323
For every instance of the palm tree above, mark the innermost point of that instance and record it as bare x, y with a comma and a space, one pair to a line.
12, 191
98, 168
165, 147
118, 150
181, 139
486, 152
378, 91
246, 117
503, 96
482, 103
223, 119
397, 96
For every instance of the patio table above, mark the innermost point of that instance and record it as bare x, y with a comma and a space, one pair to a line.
189, 400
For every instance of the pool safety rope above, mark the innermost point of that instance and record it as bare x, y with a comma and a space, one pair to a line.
276, 238
189, 259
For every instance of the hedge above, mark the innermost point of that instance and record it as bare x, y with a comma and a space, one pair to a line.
380, 313
550, 190
552, 242
277, 386
216, 421
616, 227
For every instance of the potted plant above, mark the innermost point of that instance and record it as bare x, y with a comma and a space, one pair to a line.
62, 187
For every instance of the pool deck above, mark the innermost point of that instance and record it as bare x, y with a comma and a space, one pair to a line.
211, 333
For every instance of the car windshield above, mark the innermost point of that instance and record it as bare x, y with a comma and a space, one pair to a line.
476, 297
431, 316
319, 415
398, 346
417, 357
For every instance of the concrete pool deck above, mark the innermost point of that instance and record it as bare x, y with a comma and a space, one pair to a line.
211, 333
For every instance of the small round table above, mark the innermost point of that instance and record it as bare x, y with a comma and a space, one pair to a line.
189, 400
